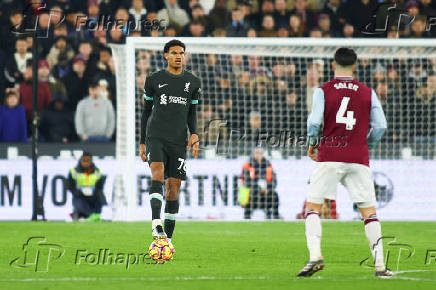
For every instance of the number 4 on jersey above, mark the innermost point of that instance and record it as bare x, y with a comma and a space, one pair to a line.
349, 120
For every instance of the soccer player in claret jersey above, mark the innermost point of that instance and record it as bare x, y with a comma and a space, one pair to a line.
171, 98
348, 110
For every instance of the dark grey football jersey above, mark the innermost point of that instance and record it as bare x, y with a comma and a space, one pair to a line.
172, 95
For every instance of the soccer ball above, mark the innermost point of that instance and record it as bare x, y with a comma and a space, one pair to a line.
160, 250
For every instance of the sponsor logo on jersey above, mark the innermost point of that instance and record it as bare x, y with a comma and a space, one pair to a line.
187, 87
161, 86
164, 100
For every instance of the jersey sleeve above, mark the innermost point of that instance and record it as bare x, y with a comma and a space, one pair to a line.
316, 116
196, 96
377, 121
148, 89
192, 114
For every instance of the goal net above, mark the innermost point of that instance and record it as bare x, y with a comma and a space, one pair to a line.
258, 92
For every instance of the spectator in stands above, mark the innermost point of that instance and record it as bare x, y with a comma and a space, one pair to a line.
283, 32
238, 27
281, 14
75, 82
417, 74
267, 7
57, 121
16, 65
170, 31
95, 117
412, 7
7, 36
237, 64
60, 47
335, 10
86, 183
422, 111
209, 126
359, 13
253, 130
93, 10
418, 28
25, 91
243, 78
307, 16
199, 15
13, 126
138, 13
348, 31
173, 14
246, 7
259, 177
268, 27
195, 29
60, 30
256, 68
296, 26
426, 8
106, 68
44, 76
324, 25
293, 115
316, 33
251, 33
46, 30
219, 16
225, 102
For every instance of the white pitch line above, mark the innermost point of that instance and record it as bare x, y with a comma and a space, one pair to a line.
131, 279
413, 271
413, 279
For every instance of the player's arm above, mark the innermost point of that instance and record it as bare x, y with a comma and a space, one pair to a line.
194, 140
314, 122
377, 121
146, 112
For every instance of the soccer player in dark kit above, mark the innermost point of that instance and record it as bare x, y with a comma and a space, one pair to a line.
171, 98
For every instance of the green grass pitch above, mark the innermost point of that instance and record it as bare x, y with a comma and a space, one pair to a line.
212, 255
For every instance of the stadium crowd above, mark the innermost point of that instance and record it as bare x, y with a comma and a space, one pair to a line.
77, 94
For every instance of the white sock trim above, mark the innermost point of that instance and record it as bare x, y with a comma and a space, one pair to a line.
157, 196
155, 223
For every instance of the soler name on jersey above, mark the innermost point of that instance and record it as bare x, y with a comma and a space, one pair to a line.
350, 86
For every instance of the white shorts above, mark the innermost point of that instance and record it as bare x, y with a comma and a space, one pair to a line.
356, 178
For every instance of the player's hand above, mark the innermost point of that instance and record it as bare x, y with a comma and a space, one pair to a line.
142, 152
194, 143
312, 152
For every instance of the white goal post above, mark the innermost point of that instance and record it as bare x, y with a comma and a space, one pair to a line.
125, 188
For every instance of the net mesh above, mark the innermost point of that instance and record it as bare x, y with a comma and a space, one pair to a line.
262, 95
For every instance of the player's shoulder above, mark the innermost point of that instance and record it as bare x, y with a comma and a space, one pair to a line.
155, 75
331, 83
190, 75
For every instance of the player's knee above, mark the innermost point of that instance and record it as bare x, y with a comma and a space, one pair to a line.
310, 206
157, 171
172, 188
367, 212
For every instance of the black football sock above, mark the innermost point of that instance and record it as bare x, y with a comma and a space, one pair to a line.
156, 199
171, 210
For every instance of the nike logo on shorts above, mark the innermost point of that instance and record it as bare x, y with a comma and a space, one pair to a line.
161, 86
